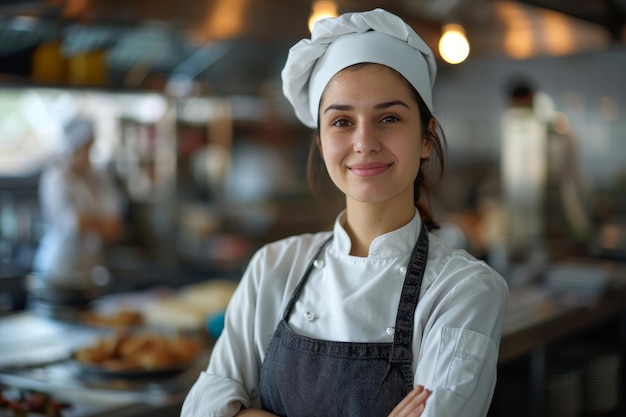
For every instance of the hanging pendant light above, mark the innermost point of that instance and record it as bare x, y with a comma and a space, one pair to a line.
321, 9
453, 45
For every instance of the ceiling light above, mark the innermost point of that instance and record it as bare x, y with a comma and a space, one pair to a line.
322, 9
453, 45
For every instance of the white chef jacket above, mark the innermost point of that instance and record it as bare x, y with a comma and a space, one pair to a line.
64, 196
458, 320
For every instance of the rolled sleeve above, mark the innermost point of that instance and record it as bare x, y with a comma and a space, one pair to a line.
214, 396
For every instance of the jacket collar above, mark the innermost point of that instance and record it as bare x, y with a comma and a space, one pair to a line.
396, 243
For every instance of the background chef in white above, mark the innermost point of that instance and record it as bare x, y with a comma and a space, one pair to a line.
81, 208
363, 82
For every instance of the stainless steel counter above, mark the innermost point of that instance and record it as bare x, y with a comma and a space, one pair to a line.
36, 354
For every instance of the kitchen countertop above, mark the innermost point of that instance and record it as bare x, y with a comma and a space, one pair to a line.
36, 354
538, 315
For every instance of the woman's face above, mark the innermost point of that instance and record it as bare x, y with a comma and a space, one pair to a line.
80, 157
370, 135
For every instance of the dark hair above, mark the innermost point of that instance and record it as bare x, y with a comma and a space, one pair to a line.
520, 90
432, 132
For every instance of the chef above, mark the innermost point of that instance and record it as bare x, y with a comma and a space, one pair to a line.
376, 317
81, 209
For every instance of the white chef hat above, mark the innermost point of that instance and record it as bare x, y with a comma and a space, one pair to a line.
76, 133
376, 36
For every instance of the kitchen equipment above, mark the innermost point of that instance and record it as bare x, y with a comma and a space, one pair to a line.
70, 289
63, 298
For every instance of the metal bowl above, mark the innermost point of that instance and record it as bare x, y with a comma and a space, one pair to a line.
77, 289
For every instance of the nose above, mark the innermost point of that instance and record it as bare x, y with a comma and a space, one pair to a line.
366, 139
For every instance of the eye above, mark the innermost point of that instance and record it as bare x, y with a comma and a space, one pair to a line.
390, 119
340, 122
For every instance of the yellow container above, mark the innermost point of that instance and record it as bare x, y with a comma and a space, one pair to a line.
88, 69
48, 64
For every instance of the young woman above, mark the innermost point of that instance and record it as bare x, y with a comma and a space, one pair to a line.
377, 317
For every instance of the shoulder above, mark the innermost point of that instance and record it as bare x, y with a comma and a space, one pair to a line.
451, 267
285, 260
291, 248
56, 180
54, 172
275, 269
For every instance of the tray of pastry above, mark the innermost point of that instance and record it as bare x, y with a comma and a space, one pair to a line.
143, 353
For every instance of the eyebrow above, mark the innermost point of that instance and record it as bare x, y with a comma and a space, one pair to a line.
379, 106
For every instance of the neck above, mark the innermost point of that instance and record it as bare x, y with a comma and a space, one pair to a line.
80, 168
366, 221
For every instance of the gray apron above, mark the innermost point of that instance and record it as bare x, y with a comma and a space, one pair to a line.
306, 377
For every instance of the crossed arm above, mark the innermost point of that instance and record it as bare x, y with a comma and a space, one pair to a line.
411, 406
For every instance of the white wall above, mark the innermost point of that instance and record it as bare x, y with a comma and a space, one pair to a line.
589, 88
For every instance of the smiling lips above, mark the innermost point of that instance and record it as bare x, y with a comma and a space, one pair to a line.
369, 169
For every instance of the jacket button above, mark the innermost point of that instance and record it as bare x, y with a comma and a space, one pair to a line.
390, 331
403, 270
318, 264
309, 316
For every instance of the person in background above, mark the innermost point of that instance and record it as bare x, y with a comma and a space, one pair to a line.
523, 172
377, 317
81, 209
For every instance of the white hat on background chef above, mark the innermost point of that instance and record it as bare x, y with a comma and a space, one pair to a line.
376, 36
76, 133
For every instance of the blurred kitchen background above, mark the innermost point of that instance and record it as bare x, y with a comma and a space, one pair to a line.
190, 119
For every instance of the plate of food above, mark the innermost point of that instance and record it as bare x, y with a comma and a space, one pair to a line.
139, 354
123, 317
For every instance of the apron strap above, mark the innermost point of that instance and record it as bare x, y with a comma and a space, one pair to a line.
305, 277
401, 351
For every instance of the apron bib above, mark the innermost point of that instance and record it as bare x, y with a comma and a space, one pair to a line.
307, 377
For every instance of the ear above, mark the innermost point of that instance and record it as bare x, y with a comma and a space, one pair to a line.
318, 142
427, 145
